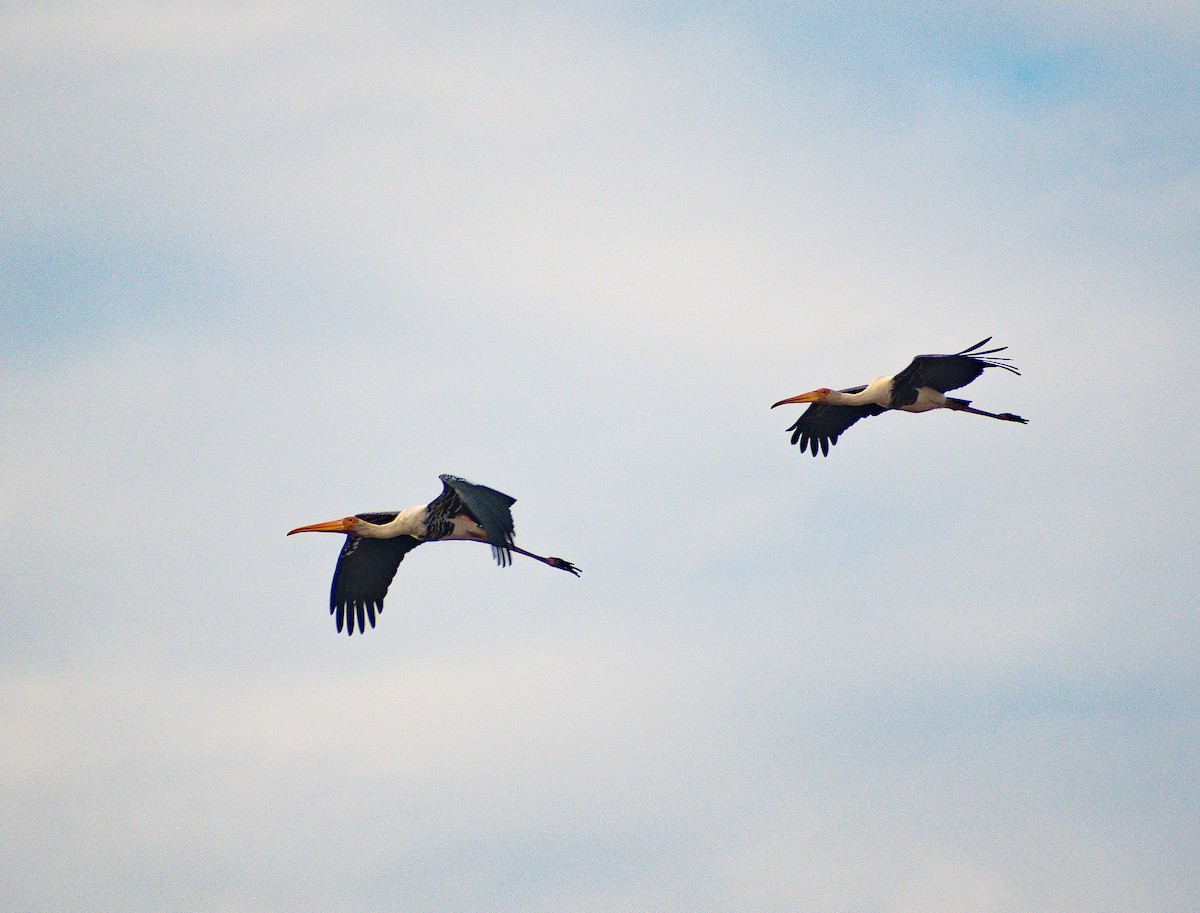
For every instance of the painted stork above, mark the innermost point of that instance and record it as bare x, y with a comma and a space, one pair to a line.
376, 544
920, 387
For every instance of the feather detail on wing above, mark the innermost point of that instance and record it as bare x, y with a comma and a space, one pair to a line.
820, 425
364, 572
947, 372
489, 508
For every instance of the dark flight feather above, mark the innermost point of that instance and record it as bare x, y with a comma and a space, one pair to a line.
489, 508
819, 426
945, 372
364, 572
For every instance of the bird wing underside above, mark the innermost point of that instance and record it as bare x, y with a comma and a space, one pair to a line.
820, 425
947, 372
489, 508
365, 569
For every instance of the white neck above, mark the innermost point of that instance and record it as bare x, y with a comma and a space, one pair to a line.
878, 393
409, 522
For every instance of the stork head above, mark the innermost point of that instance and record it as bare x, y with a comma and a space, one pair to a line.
347, 525
813, 396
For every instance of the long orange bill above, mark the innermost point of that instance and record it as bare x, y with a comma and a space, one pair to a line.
329, 526
811, 397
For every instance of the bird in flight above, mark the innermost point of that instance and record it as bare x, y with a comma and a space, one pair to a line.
376, 543
920, 387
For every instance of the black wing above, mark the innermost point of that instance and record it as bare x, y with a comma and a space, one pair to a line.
946, 372
364, 571
489, 508
820, 425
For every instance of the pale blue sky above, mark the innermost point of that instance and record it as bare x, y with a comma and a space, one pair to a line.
267, 264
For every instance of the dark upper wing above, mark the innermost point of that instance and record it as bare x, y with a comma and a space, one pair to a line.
489, 508
364, 571
947, 372
820, 425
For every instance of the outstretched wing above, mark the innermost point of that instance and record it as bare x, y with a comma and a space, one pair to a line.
947, 372
820, 425
489, 508
364, 571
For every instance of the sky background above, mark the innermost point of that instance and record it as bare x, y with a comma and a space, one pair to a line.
269, 263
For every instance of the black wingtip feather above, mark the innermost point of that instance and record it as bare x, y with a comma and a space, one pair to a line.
982, 342
995, 362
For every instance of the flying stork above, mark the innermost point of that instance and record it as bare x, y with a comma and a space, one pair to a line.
376, 543
920, 387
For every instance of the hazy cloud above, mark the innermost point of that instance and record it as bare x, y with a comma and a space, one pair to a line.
267, 264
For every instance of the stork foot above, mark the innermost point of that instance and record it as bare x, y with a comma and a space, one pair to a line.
563, 565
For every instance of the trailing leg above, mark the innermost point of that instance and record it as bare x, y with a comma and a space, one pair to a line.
964, 405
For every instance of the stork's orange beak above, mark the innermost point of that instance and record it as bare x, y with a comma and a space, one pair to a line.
813, 396
329, 526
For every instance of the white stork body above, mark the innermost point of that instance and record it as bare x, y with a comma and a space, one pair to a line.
921, 387
879, 393
376, 543
413, 521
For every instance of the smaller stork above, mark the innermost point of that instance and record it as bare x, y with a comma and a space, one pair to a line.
920, 387
376, 543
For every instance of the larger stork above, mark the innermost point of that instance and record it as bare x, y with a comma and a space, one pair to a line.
920, 387
376, 543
